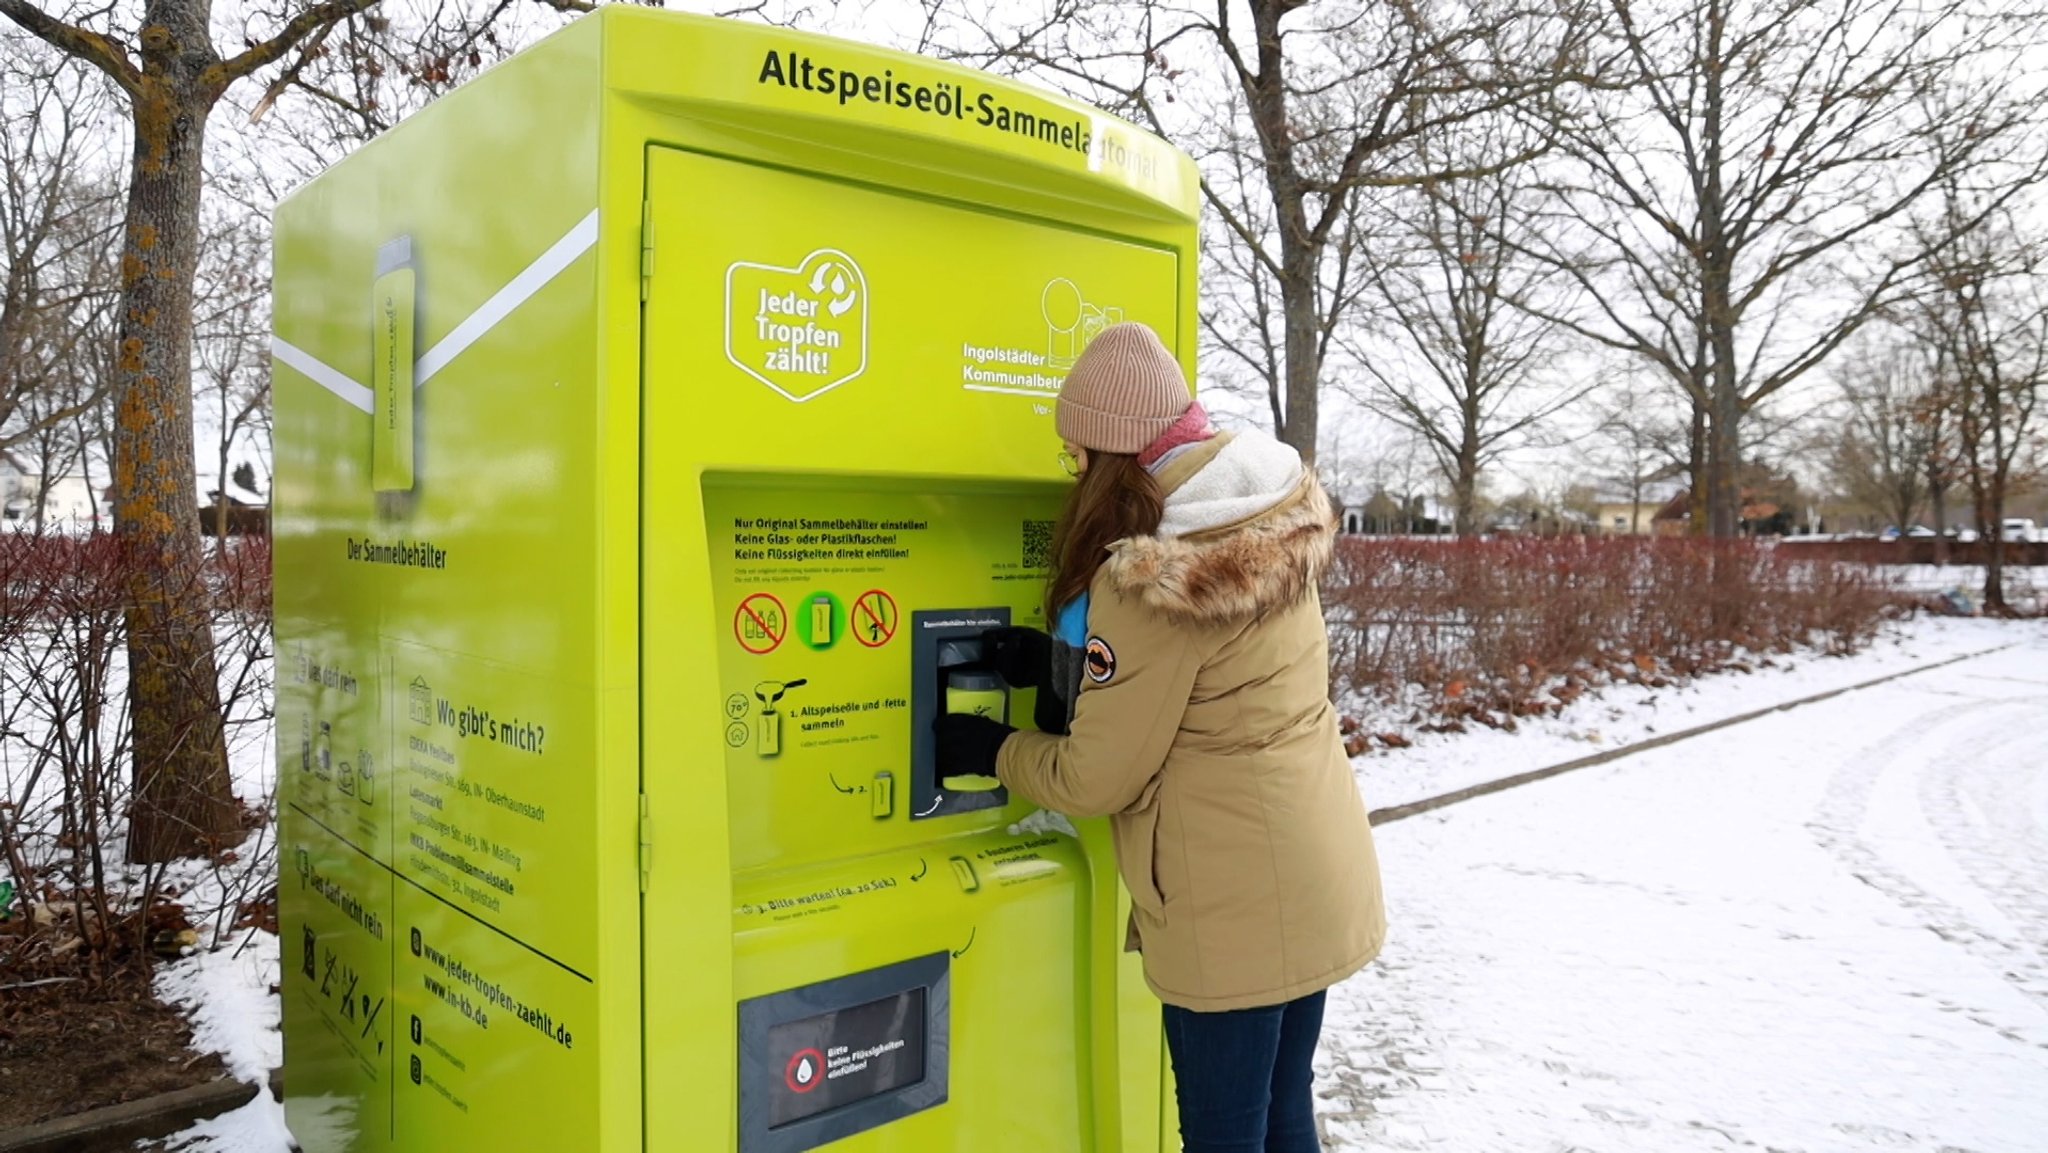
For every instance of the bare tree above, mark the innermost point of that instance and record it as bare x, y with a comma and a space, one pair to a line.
1316, 105
57, 218
173, 76
1986, 314
1942, 466
1640, 436
1467, 365
1743, 171
232, 342
1879, 441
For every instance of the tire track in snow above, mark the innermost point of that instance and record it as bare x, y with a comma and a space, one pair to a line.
1384, 1056
1979, 809
1838, 825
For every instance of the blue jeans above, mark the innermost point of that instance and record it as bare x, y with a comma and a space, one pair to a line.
1244, 1077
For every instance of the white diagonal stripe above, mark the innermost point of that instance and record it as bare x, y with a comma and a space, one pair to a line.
321, 374
559, 256
579, 240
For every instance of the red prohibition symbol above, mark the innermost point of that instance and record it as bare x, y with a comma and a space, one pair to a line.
760, 624
874, 618
805, 1070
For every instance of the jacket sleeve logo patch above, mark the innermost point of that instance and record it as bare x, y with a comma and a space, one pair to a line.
1101, 660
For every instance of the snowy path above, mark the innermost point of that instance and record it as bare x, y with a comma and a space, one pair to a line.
1620, 715
1824, 930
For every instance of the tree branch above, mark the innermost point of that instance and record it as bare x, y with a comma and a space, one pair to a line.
91, 47
314, 19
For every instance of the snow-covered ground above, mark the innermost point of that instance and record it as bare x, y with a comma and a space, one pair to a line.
1824, 930
229, 993
2026, 589
1625, 714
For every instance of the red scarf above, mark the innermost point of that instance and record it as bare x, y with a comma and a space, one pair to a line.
1192, 428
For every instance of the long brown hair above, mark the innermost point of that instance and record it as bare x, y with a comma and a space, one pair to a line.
1114, 499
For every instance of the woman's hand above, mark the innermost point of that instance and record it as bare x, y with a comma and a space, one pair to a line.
1021, 656
968, 744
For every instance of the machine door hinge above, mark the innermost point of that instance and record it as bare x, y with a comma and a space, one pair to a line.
646, 247
646, 843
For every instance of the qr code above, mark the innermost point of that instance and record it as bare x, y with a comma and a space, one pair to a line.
1038, 544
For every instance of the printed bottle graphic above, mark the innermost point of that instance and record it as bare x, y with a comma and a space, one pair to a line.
769, 725
800, 330
820, 619
391, 369
1071, 322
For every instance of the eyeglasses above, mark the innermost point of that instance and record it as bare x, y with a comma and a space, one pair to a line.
1070, 464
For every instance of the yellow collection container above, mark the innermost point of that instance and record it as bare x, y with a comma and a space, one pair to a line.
661, 418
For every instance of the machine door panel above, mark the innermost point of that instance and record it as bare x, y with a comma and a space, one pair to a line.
863, 382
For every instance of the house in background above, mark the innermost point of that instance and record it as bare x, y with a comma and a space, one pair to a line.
238, 518
1675, 518
1761, 515
68, 501
1388, 514
1617, 512
13, 503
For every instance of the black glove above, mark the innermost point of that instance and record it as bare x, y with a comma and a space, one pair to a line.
1021, 656
968, 744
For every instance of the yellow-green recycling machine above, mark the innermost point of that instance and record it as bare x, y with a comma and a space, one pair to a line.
660, 418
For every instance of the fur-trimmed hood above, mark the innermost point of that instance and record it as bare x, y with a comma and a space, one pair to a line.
1243, 569
1202, 728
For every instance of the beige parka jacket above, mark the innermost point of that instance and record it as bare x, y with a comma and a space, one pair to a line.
1204, 731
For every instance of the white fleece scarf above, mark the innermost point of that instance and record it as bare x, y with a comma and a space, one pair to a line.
1249, 475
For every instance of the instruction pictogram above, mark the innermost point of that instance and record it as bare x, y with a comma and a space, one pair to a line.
874, 618
770, 694
760, 624
805, 1070
820, 618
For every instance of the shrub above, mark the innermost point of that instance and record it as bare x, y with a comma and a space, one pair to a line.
1488, 630
66, 773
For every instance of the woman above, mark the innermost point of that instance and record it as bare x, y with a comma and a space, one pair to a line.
1184, 693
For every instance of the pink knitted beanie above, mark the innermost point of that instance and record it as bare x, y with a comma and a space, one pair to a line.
1123, 393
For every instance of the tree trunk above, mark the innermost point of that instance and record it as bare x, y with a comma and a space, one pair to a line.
1304, 364
1724, 464
184, 799
1696, 471
43, 480
220, 484
1992, 532
1466, 495
1635, 498
1266, 93
1937, 503
1717, 301
1994, 535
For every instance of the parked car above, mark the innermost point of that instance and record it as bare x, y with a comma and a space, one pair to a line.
2019, 530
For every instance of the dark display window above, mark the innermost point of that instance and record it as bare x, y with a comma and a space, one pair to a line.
838, 1058
821, 1062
